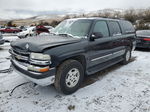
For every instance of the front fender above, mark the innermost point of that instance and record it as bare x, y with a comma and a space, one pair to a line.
57, 60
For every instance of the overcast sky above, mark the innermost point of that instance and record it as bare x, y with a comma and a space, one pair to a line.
28, 8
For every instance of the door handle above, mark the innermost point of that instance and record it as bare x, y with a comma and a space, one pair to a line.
118, 34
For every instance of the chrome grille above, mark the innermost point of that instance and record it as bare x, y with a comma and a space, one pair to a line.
19, 55
24, 57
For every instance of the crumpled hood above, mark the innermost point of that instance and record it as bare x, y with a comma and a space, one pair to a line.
39, 43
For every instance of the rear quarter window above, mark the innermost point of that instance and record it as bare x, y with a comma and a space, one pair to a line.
126, 27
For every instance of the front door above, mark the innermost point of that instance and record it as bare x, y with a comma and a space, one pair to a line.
100, 48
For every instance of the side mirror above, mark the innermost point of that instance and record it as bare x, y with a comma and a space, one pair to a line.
96, 35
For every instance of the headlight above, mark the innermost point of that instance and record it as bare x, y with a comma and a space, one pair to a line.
39, 56
39, 59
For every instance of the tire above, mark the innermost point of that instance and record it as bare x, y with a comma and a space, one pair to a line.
64, 81
127, 56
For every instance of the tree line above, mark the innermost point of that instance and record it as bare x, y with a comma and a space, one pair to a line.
140, 18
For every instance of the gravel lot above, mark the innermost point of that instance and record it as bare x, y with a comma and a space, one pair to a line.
120, 88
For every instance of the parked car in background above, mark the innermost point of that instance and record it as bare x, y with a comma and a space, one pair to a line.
27, 32
22, 27
41, 29
2, 27
143, 39
10, 30
2, 41
78, 47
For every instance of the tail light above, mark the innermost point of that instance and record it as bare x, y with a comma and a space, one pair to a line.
146, 39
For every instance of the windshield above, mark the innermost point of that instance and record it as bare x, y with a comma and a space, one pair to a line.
76, 28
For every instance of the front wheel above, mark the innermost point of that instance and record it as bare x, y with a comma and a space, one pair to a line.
127, 56
69, 76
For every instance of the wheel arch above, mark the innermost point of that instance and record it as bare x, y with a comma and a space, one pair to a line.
132, 42
81, 58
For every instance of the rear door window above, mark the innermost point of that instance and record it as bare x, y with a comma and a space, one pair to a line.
114, 28
101, 27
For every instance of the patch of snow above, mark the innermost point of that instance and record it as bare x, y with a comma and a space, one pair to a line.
124, 89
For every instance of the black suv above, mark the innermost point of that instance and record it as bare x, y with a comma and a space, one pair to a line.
75, 48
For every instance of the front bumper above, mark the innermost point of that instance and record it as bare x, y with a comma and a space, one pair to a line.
43, 79
2, 41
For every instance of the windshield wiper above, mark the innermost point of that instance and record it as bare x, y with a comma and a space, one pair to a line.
66, 34
52, 33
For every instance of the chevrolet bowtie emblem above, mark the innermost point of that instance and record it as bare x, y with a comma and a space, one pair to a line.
18, 57
27, 46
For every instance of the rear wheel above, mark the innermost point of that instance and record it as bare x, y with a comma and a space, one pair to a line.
127, 56
69, 76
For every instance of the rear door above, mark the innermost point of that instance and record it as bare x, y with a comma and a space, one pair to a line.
118, 47
128, 33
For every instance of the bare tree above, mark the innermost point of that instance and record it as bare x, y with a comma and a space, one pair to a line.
130, 15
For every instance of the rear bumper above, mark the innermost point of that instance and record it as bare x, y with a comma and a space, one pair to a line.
42, 79
143, 45
2, 41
